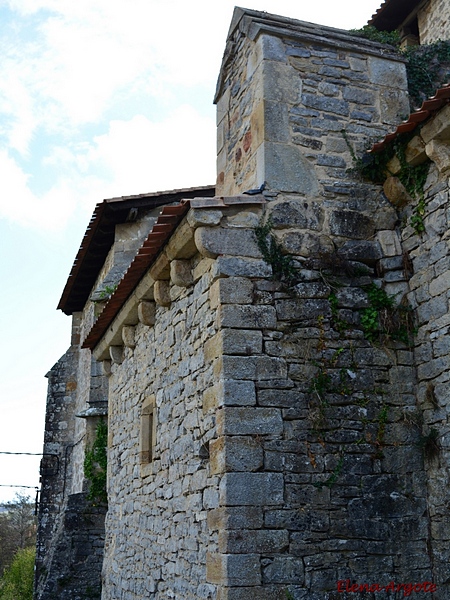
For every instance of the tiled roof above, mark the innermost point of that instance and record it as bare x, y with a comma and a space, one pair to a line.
99, 238
169, 218
392, 13
428, 109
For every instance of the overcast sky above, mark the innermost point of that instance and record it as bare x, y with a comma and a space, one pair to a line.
98, 98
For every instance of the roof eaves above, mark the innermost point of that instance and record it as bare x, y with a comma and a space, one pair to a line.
168, 220
392, 13
99, 237
428, 109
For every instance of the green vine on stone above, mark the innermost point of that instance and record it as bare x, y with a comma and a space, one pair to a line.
283, 267
384, 319
334, 475
95, 465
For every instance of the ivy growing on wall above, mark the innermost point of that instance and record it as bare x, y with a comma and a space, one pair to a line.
95, 463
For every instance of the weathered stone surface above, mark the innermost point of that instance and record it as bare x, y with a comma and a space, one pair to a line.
396, 192
242, 316
233, 569
212, 241
249, 421
285, 168
181, 273
389, 243
239, 453
201, 217
234, 341
233, 290
296, 213
306, 244
147, 312
128, 336
162, 293
240, 267
251, 489
252, 367
350, 224
363, 251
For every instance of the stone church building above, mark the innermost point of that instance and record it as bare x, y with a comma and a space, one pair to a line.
270, 354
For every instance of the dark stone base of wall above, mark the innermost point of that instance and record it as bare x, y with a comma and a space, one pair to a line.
73, 572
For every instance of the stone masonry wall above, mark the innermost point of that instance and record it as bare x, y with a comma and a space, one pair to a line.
321, 476
429, 284
283, 101
157, 532
434, 21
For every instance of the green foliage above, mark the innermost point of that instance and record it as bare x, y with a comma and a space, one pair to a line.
95, 464
17, 580
334, 475
17, 528
429, 444
428, 69
382, 319
283, 267
369, 32
379, 442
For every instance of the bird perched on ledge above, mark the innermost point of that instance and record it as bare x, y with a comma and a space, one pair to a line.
255, 191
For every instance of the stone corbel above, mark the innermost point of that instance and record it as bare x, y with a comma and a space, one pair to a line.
181, 273
147, 313
116, 354
128, 336
162, 292
439, 152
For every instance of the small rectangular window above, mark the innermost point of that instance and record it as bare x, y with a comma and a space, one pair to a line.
148, 431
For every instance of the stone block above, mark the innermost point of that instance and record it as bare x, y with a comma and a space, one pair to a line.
276, 122
363, 251
389, 243
251, 489
252, 367
284, 569
233, 341
309, 309
212, 241
326, 104
437, 128
235, 453
280, 84
162, 293
128, 336
306, 244
244, 316
160, 269
233, 569
312, 290
264, 541
255, 593
232, 517
232, 290
116, 354
204, 217
181, 243
147, 313
249, 421
241, 267
350, 224
286, 169
439, 153
359, 95
387, 73
351, 297
296, 213
229, 392
181, 273
415, 151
